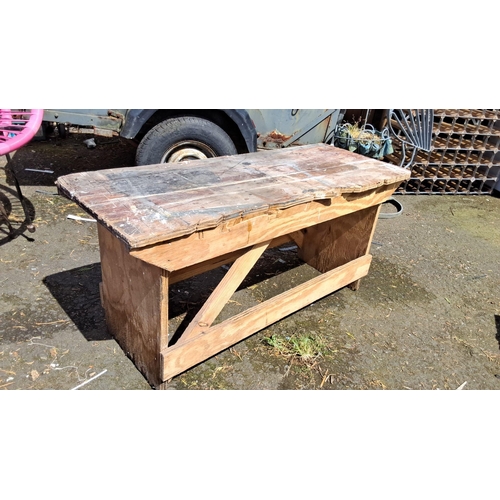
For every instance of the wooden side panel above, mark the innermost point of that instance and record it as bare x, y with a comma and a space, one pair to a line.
334, 243
184, 355
135, 300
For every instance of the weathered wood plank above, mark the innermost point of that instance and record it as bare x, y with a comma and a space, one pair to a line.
184, 355
151, 204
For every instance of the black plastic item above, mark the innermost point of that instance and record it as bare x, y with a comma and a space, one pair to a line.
391, 215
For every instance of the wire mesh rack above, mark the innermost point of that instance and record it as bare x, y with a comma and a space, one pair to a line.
464, 158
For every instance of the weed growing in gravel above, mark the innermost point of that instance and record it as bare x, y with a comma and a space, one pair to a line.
305, 347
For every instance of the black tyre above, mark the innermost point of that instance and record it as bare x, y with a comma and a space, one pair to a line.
181, 139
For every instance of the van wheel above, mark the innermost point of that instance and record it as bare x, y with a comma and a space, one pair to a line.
182, 139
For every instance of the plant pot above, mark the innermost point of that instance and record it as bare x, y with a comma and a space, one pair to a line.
363, 140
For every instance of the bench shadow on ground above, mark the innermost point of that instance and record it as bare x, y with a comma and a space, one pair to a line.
77, 292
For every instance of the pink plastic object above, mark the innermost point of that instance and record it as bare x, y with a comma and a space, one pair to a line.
18, 127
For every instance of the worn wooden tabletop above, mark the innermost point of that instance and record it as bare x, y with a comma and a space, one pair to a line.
156, 203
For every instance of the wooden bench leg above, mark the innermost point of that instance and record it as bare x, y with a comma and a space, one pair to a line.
135, 301
336, 242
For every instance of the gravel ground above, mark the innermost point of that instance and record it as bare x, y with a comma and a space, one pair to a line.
426, 317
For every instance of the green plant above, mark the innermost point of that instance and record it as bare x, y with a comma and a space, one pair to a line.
305, 347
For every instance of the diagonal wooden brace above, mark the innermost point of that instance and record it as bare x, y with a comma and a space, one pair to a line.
224, 290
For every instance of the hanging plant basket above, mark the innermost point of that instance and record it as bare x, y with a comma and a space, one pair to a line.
364, 140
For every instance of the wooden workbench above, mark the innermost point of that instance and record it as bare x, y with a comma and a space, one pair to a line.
160, 224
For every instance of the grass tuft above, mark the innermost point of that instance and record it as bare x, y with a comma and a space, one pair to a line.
305, 347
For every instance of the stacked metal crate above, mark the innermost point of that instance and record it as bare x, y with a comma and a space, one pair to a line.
464, 158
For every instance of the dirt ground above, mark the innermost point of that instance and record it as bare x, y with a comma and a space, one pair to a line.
427, 316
